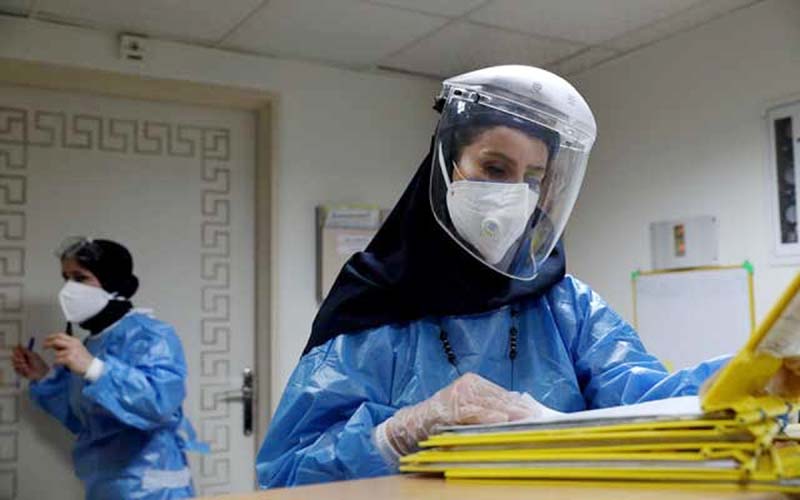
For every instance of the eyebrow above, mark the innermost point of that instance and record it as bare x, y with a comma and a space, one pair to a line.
504, 157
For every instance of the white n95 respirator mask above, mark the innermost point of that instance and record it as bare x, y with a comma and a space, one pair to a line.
490, 216
81, 302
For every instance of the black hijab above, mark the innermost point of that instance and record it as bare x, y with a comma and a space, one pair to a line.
413, 269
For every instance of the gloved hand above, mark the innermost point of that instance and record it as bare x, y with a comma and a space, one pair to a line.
470, 399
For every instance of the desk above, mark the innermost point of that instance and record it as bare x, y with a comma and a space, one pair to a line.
405, 487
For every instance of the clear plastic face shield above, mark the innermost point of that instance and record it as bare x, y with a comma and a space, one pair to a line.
505, 177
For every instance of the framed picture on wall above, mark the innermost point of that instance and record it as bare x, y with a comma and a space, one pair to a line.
783, 179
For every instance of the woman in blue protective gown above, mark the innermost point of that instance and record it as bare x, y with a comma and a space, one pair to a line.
459, 311
121, 391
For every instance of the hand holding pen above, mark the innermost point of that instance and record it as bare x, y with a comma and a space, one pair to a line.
27, 363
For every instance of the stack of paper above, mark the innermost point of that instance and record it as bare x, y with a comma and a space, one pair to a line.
732, 437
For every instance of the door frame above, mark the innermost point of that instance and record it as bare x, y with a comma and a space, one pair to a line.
262, 104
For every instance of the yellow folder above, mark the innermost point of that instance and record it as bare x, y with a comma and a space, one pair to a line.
731, 437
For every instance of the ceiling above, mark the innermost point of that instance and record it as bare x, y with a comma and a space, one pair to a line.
435, 38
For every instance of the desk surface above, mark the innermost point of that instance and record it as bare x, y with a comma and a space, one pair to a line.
401, 488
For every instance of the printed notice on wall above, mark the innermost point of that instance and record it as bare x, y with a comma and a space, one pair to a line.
342, 230
348, 244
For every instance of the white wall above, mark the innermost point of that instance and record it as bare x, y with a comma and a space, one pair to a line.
680, 134
341, 136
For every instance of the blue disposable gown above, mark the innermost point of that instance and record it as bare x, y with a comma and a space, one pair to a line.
130, 427
574, 353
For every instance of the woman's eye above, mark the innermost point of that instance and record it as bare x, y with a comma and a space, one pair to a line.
496, 171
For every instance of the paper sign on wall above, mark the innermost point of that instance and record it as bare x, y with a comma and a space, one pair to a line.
342, 230
348, 244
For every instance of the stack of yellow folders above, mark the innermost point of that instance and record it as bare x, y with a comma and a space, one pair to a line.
731, 437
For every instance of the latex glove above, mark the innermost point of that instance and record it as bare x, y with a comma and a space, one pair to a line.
28, 364
470, 399
70, 352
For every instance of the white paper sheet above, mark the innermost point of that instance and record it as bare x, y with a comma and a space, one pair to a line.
682, 407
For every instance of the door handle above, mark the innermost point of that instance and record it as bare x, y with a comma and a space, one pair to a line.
246, 395
248, 391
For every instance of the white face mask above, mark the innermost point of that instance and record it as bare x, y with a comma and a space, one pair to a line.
80, 302
491, 216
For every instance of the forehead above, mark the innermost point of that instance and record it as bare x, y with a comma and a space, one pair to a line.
71, 266
511, 141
